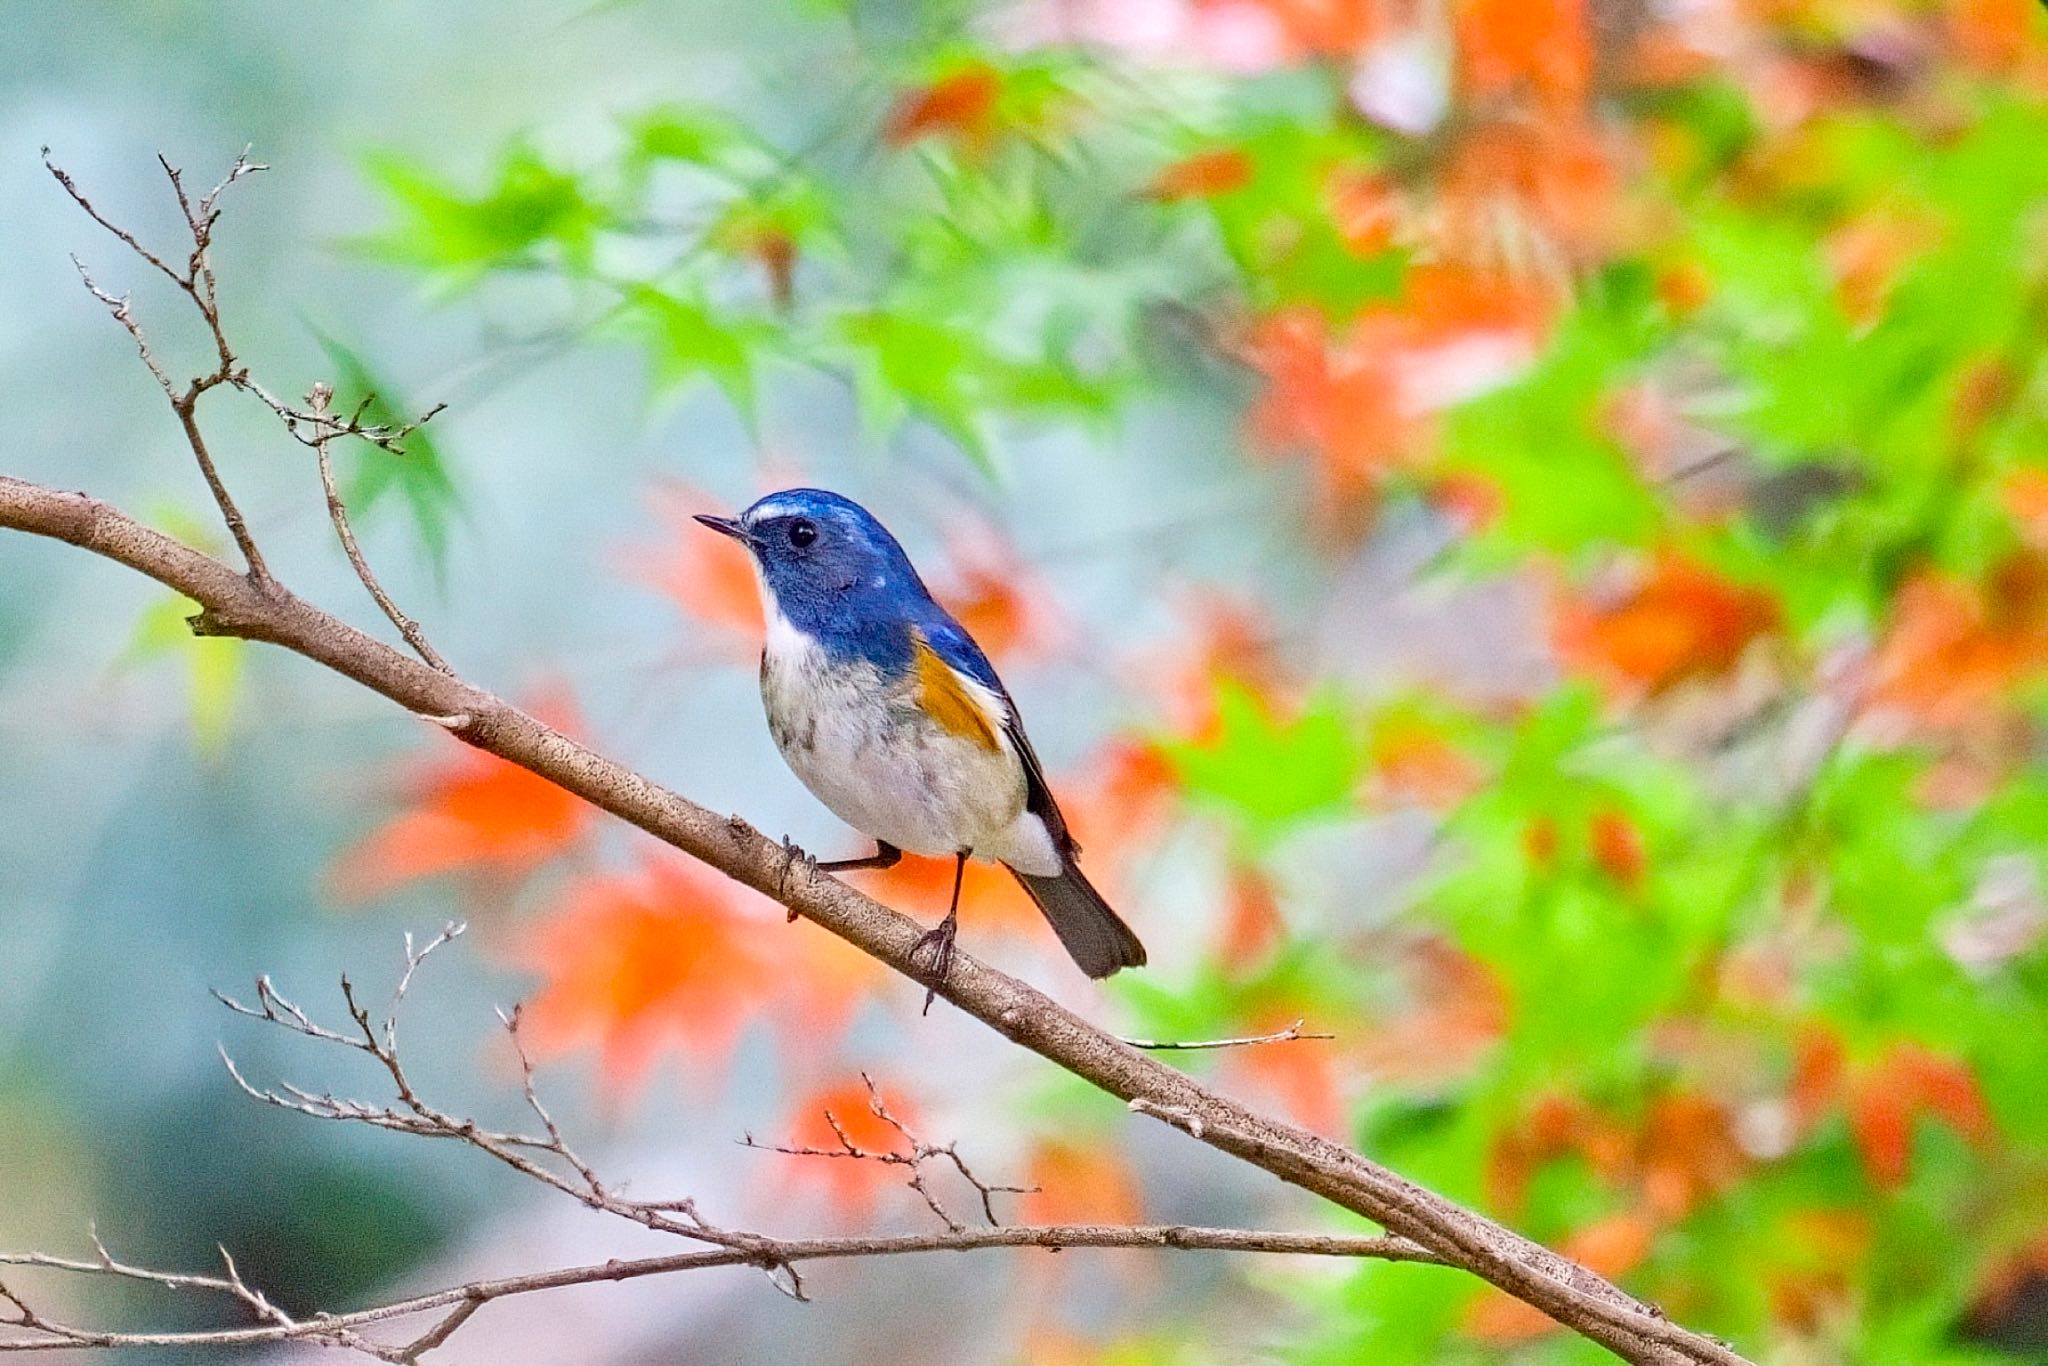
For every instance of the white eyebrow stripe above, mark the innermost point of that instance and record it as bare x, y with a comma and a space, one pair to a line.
767, 510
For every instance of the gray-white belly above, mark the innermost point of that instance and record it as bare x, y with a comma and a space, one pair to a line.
870, 754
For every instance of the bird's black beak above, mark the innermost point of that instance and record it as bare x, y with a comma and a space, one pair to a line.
726, 526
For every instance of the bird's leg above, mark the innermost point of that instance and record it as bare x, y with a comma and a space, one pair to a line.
939, 939
886, 855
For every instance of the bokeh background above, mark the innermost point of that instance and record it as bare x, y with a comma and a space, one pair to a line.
1521, 530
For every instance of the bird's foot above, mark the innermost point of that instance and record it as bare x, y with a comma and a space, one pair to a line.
791, 857
936, 945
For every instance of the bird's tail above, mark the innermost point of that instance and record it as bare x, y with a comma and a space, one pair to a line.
1090, 930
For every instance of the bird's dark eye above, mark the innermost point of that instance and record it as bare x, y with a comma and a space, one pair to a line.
802, 532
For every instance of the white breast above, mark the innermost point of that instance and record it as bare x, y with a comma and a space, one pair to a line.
861, 744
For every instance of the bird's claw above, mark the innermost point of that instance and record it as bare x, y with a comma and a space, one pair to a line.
791, 856
937, 944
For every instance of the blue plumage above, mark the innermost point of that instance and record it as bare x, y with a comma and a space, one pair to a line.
893, 716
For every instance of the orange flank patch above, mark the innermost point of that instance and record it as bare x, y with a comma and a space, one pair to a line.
672, 957
470, 812
851, 1184
946, 697
1681, 620
961, 104
1204, 175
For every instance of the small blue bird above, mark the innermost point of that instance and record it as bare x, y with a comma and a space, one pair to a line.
892, 716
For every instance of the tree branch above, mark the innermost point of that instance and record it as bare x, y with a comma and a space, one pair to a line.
254, 607
233, 606
464, 1300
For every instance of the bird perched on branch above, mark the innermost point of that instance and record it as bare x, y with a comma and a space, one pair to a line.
893, 717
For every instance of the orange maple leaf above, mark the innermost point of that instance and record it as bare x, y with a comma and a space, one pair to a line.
1323, 28
851, 1184
1681, 620
1204, 175
1079, 1184
995, 596
960, 104
1462, 1007
470, 812
1953, 650
1905, 1083
1617, 845
1521, 194
671, 957
710, 578
1252, 923
1544, 46
1365, 208
1993, 35
1359, 400
1413, 761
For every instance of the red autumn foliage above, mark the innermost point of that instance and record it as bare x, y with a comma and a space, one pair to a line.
1681, 620
1357, 402
1222, 640
1252, 924
1954, 650
1204, 175
1323, 28
1080, 1183
711, 578
1306, 1076
1364, 207
1413, 761
470, 812
1542, 46
1518, 194
1885, 1097
673, 957
1617, 845
1461, 1008
960, 104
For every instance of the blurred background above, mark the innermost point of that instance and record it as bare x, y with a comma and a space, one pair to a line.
1521, 530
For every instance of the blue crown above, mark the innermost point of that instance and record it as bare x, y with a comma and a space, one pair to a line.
839, 577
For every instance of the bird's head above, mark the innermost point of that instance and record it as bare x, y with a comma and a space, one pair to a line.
821, 557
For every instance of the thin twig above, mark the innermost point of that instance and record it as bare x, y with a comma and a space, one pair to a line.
912, 1161
464, 1300
318, 400
1287, 1035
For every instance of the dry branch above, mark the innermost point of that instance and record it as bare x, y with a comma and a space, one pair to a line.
253, 607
